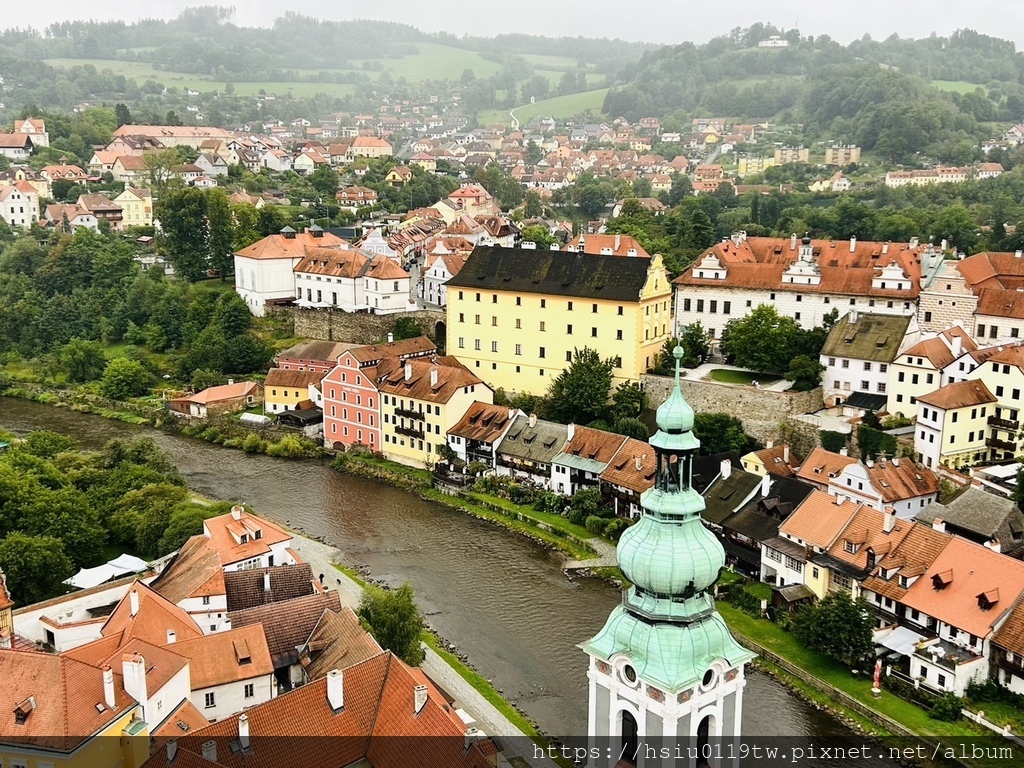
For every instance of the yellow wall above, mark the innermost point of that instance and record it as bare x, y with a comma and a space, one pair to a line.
819, 586
406, 449
137, 213
752, 464
962, 451
108, 749
907, 389
286, 398
515, 319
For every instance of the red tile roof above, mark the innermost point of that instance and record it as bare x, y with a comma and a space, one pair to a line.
819, 519
821, 465
633, 466
281, 247
374, 353
483, 422
620, 245
451, 376
222, 532
961, 394
226, 657
910, 558
156, 615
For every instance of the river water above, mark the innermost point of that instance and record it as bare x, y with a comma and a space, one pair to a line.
501, 598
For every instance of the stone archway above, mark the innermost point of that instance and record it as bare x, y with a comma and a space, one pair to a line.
441, 336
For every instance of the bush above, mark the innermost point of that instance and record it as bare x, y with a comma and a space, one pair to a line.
255, 444
289, 447
745, 600
947, 708
832, 441
548, 501
124, 378
615, 528
595, 524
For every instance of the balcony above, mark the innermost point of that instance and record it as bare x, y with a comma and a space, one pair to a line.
408, 413
1011, 426
417, 433
1001, 445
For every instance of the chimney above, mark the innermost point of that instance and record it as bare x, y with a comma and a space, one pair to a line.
939, 525
945, 245
895, 461
236, 512
133, 667
769, 444
171, 636
994, 545
890, 520
853, 243
958, 345
618, 242
570, 431
433, 378
785, 454
533, 420
844, 451
419, 698
266, 581
391, 338
914, 242
885, 248
210, 751
231, 381
408, 371
471, 737
726, 468
883, 460
172, 750
639, 462
336, 689
766, 484
243, 731
108, 688
792, 242
554, 247
1017, 254
870, 463
853, 315
133, 600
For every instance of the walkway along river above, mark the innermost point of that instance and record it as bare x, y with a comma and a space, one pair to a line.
500, 597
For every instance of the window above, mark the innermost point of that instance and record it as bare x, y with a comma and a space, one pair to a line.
850, 547
700, 305
618, 335
620, 310
542, 354
774, 554
211, 700
476, 344
568, 330
494, 346
927, 317
593, 333
543, 303
881, 388
914, 378
206, 599
568, 357
794, 565
686, 305
726, 307
864, 385
814, 572
831, 361
250, 691
519, 323
462, 342
570, 306
478, 297
799, 297
494, 321
519, 301
543, 325
845, 364
494, 296
901, 376
981, 330
713, 306
867, 366
999, 391
595, 309
883, 367
519, 349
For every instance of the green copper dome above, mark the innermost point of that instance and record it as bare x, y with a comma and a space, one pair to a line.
667, 625
675, 414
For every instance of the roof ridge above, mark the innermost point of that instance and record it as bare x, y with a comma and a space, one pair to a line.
380, 700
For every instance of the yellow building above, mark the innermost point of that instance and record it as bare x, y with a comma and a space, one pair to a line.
749, 164
420, 400
918, 370
842, 155
517, 317
952, 425
787, 155
284, 389
137, 207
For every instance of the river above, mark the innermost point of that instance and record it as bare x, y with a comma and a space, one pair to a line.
501, 598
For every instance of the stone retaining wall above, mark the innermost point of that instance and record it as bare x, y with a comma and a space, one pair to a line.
360, 328
762, 411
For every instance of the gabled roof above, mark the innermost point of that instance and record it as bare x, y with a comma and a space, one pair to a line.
899, 479
938, 349
373, 353
865, 533
59, 696
240, 653
285, 637
555, 273
591, 445
483, 422
320, 351
155, 617
337, 641
633, 466
196, 571
538, 443
725, 495
819, 519
284, 377
776, 460
910, 558
246, 588
259, 532
620, 245
865, 336
968, 570
448, 373
221, 393
821, 465
1010, 636
976, 511
960, 394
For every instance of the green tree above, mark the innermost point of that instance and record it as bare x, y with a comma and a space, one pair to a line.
46, 444
805, 373
123, 114
406, 328
204, 379
221, 225
628, 401
535, 233
124, 378
721, 432
584, 503
82, 360
579, 393
185, 233
837, 627
394, 620
631, 427
695, 340
325, 181
35, 566
763, 341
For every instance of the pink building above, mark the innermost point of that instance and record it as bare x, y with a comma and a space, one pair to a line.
351, 403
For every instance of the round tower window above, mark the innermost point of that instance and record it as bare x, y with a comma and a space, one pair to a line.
709, 679
629, 674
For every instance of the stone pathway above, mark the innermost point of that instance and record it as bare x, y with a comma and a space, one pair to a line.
605, 556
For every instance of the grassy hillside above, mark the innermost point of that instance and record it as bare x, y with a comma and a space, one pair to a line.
557, 107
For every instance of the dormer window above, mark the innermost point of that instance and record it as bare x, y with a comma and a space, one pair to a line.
942, 580
987, 600
243, 539
904, 582
258, 534
849, 546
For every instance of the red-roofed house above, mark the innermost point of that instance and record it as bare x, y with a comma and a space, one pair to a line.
351, 280
225, 398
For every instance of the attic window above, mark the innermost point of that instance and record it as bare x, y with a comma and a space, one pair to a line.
23, 710
243, 539
258, 534
100, 707
848, 340
242, 655
988, 599
904, 582
942, 580
849, 546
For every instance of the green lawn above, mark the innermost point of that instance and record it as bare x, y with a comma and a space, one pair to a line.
956, 86
434, 61
557, 107
745, 378
550, 519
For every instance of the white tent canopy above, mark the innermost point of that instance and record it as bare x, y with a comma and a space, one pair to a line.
122, 565
901, 640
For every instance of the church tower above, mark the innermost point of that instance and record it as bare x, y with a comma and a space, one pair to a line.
664, 670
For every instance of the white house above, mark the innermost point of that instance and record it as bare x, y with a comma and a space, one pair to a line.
264, 270
19, 205
351, 280
895, 483
375, 242
441, 266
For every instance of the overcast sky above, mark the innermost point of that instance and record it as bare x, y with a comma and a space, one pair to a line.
660, 21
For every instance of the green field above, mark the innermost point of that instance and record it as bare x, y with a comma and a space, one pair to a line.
956, 86
557, 107
743, 378
548, 62
434, 62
